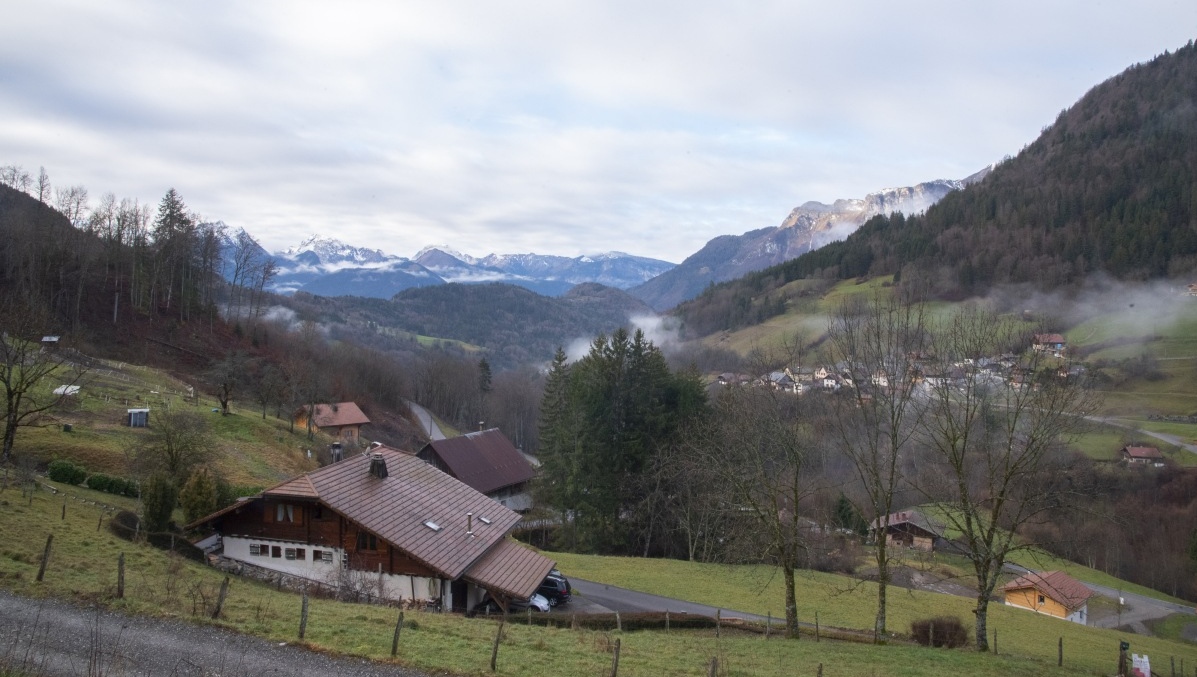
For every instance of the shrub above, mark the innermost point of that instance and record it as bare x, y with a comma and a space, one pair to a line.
100, 482
66, 472
112, 485
945, 631
159, 498
125, 524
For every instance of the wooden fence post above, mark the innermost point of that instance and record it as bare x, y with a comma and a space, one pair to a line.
816, 626
1060, 654
120, 576
615, 660
100, 523
224, 591
494, 652
995, 641
41, 571
303, 615
395, 640
713, 671
718, 622
64, 507
618, 621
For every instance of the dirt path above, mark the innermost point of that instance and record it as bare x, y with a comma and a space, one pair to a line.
51, 638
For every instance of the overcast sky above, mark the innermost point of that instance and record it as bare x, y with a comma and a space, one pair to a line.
550, 127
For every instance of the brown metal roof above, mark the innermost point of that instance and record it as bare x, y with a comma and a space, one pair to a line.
511, 569
338, 414
1057, 585
1143, 452
399, 508
486, 460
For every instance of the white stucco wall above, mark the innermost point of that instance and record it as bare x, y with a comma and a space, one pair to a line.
394, 586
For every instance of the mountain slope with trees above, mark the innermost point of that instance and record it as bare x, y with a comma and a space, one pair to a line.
1109, 188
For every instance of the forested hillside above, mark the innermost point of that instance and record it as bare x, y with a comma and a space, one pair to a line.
512, 325
1109, 187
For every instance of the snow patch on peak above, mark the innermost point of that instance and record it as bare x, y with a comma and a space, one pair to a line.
449, 251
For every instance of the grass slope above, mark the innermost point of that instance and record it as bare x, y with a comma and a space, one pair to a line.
83, 568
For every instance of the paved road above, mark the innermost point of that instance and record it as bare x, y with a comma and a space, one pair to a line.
426, 421
1170, 439
56, 639
591, 597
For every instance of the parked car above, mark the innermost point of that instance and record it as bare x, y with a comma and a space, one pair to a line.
556, 589
490, 606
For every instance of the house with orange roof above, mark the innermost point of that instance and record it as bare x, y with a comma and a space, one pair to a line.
1054, 593
410, 530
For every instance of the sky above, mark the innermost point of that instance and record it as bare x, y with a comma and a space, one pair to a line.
564, 127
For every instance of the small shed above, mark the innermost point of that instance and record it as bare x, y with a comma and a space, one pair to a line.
138, 418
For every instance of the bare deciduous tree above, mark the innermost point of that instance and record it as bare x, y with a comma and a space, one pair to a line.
996, 463
762, 451
34, 379
874, 418
176, 441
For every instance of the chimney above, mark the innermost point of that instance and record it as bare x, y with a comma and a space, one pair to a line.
470, 524
378, 465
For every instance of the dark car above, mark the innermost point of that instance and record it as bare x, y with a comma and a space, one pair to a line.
555, 588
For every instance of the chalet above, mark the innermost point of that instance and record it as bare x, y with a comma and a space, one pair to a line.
1049, 343
488, 463
342, 420
415, 532
909, 528
1054, 593
1135, 455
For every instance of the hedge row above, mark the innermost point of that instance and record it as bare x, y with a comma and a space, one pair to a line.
69, 473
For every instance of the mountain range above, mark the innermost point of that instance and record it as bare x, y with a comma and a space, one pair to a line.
327, 267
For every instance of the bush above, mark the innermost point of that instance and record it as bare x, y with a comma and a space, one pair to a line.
112, 485
159, 499
66, 472
100, 482
944, 631
125, 524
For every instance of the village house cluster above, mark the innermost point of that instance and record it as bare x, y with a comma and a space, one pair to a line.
925, 373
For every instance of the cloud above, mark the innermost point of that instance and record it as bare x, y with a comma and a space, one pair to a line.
557, 128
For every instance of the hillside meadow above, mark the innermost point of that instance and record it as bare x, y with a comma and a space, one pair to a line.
251, 450
83, 568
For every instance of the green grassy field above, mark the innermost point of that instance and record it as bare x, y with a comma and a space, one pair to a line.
251, 450
82, 568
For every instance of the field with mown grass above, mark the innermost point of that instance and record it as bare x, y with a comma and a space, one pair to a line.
82, 567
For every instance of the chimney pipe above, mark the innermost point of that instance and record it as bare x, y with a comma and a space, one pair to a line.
470, 524
378, 465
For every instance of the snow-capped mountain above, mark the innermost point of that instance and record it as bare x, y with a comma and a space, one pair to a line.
328, 267
805, 228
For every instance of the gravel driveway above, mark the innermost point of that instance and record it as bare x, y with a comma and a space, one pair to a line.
51, 638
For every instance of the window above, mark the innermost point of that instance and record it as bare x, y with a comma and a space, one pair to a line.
288, 513
290, 553
366, 541
327, 555
433, 525
317, 512
317, 555
1041, 600
276, 551
255, 550
301, 554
